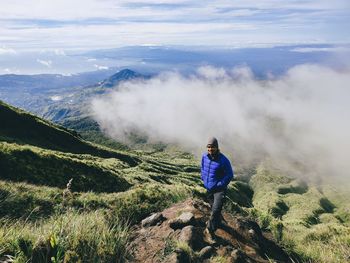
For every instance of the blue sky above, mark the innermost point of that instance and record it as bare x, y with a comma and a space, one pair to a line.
62, 25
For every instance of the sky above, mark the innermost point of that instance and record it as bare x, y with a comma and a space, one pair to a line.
61, 25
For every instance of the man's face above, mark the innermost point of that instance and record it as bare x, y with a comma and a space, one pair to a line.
212, 150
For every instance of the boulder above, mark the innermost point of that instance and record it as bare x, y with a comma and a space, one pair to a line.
205, 252
185, 219
186, 235
152, 220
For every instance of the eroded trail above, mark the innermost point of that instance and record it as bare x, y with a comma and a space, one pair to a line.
177, 235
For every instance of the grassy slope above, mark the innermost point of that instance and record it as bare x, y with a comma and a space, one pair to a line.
313, 221
23, 128
41, 220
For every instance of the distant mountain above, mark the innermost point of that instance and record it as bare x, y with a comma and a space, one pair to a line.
122, 75
56, 97
75, 104
35, 93
68, 106
263, 61
47, 82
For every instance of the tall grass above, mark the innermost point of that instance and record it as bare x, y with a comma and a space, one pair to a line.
91, 227
69, 237
42, 222
322, 243
308, 223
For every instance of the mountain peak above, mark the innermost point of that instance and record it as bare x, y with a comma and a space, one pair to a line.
125, 74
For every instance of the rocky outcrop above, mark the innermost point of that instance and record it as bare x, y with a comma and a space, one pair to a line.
178, 235
185, 219
153, 220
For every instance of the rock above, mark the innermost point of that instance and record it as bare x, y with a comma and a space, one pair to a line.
235, 253
152, 220
205, 252
249, 226
182, 237
210, 238
173, 258
183, 220
192, 236
186, 217
238, 256
186, 235
183, 256
225, 250
251, 232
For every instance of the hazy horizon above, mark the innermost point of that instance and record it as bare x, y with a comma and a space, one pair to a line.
60, 36
262, 59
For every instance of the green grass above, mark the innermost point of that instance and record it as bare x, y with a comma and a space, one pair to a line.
42, 221
68, 237
85, 225
52, 168
23, 128
219, 259
311, 221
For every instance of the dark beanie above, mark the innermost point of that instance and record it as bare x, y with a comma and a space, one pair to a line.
213, 141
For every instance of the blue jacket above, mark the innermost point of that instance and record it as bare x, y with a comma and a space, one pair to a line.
216, 173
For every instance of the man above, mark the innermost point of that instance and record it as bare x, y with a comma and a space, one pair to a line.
216, 173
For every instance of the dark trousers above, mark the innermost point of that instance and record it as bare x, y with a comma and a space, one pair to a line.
216, 200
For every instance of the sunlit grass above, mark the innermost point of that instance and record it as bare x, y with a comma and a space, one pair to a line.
69, 236
311, 227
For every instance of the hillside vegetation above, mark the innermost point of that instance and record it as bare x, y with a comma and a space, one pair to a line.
311, 219
63, 199
42, 219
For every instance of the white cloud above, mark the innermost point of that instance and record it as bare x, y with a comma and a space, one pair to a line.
56, 98
321, 49
60, 52
11, 71
99, 24
301, 117
7, 51
47, 63
99, 67
87, 9
101, 36
79, 10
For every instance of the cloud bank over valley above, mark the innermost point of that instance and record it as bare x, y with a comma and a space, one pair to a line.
298, 119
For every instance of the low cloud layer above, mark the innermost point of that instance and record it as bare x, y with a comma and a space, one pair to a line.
298, 120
